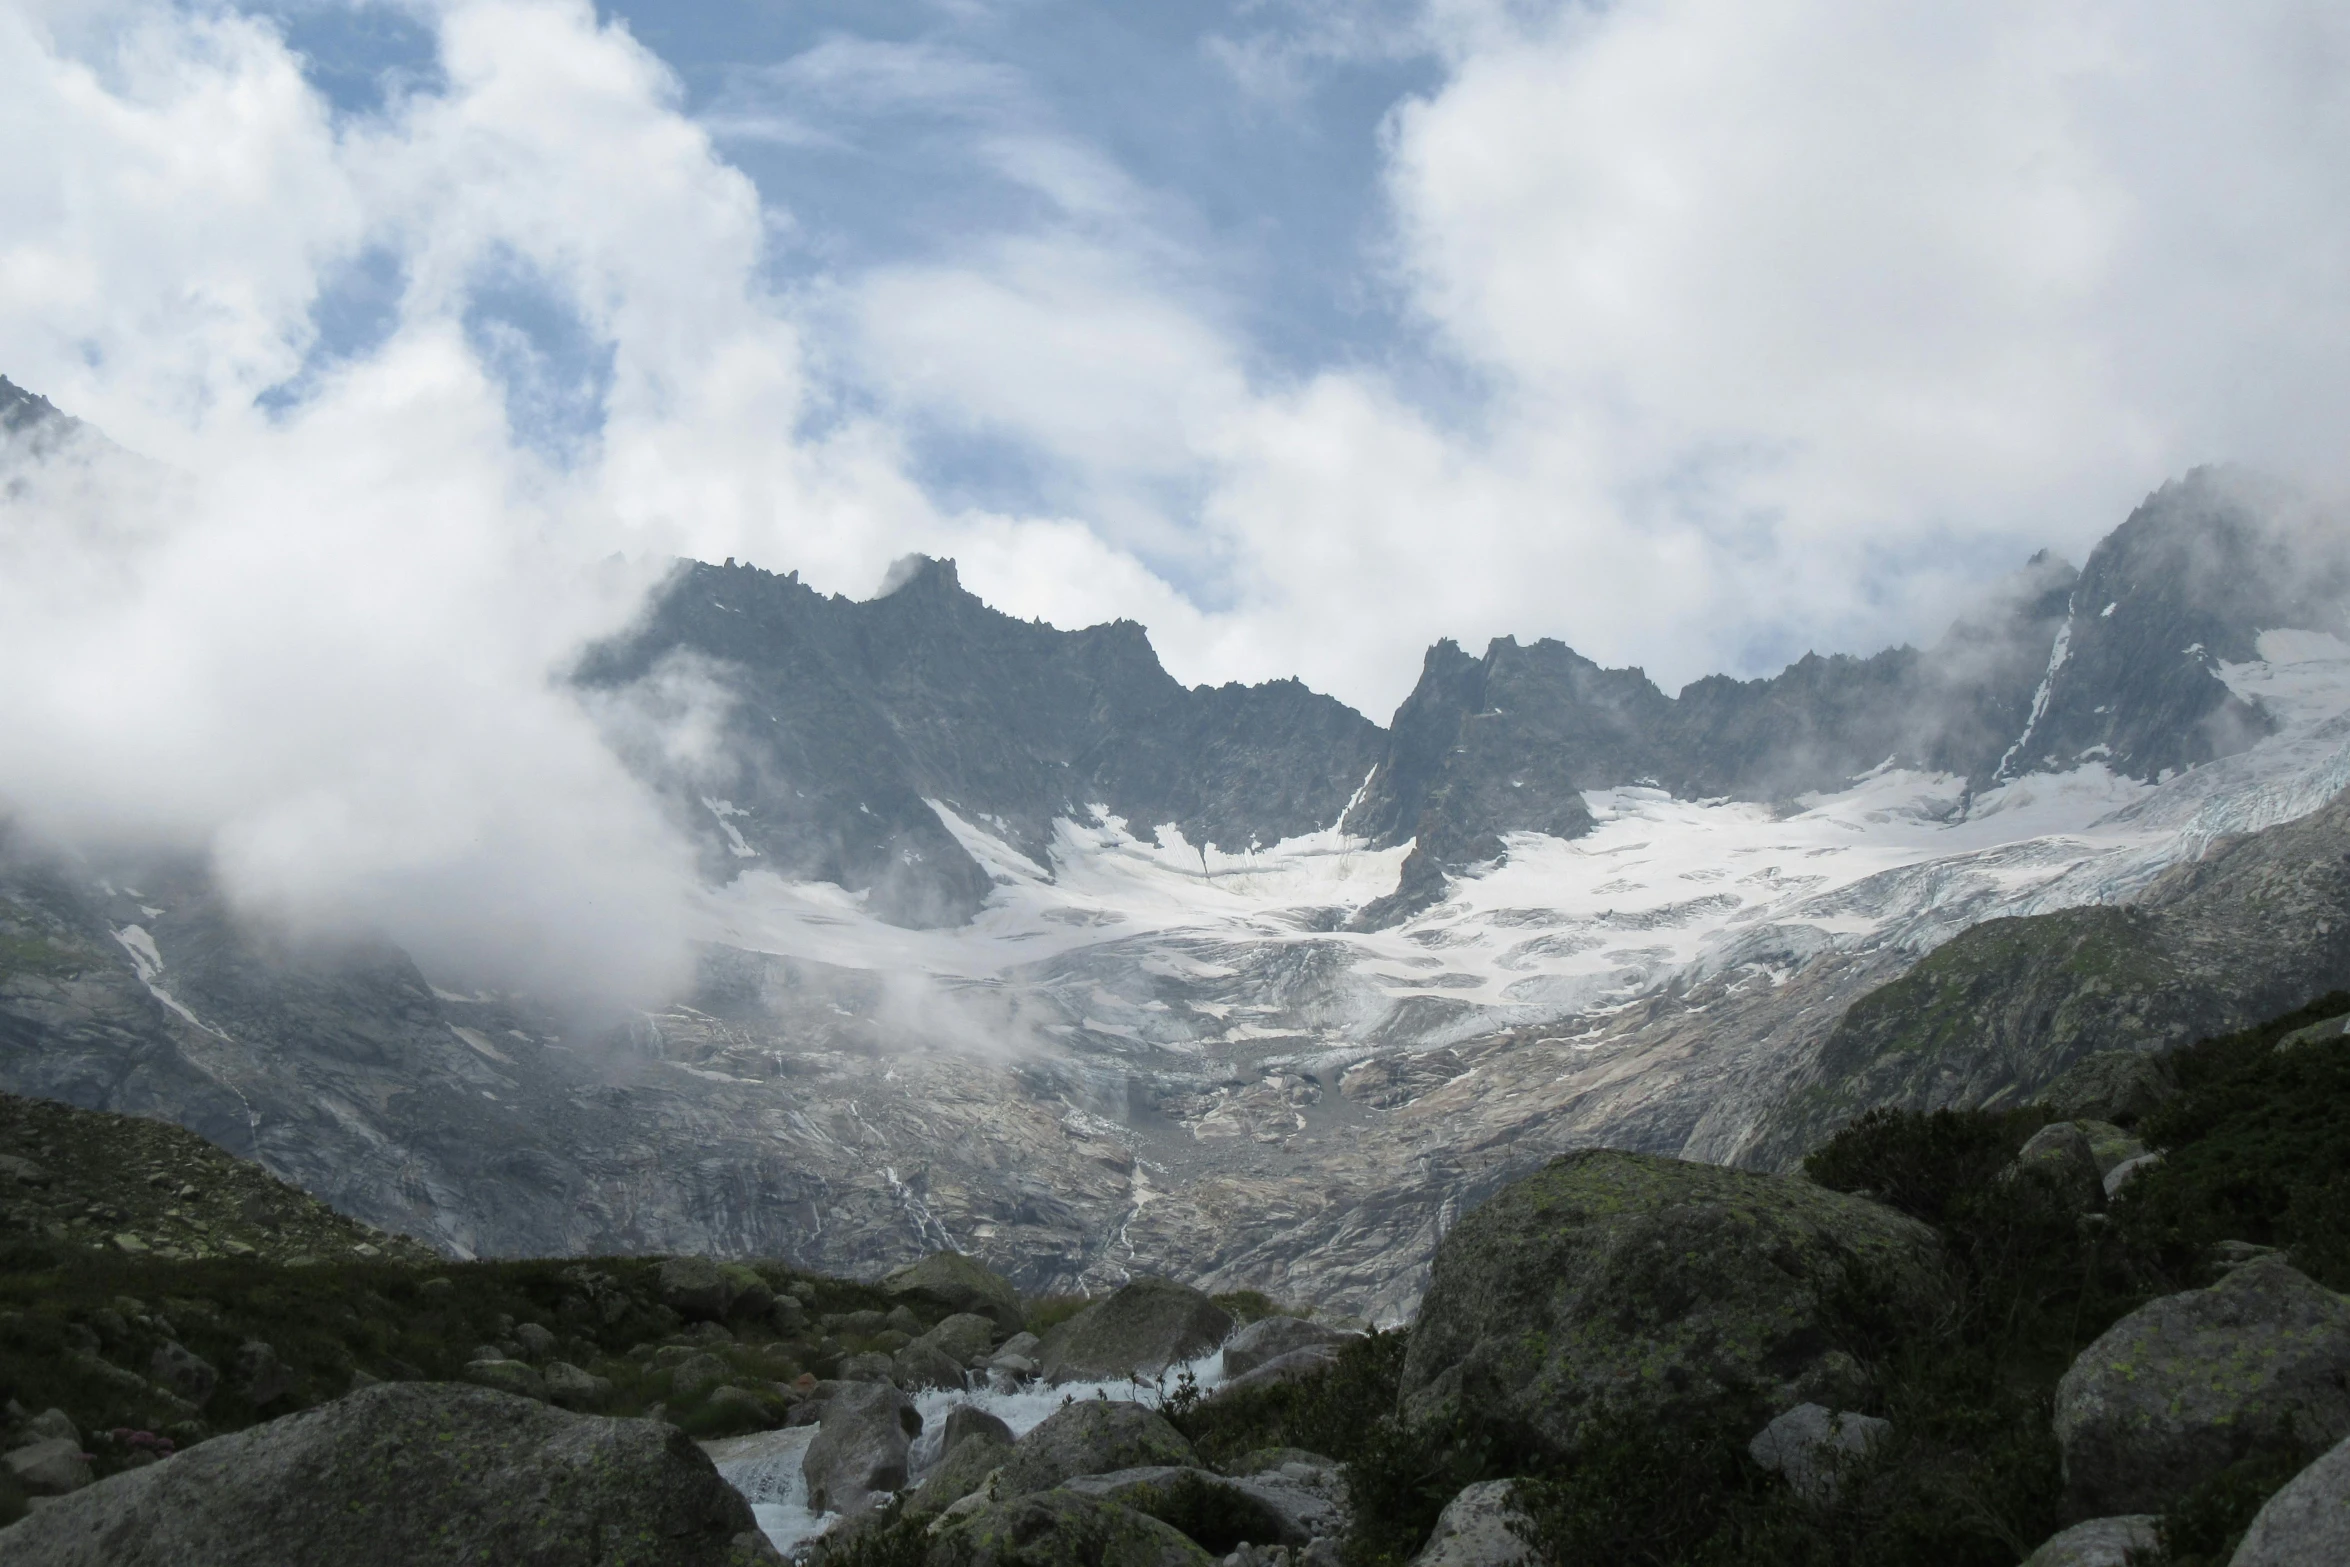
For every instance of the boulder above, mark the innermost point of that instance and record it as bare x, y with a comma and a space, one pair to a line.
957, 1283
408, 1475
1092, 1436
2101, 1542
968, 1420
572, 1388
963, 1338
1212, 1510
2060, 1153
517, 1377
2122, 1086
1654, 1286
2186, 1385
182, 1373
51, 1466
870, 1366
1295, 1366
739, 1409
859, 1454
1474, 1531
1811, 1446
1269, 1338
261, 1377
2127, 1171
2109, 1145
1141, 1330
921, 1365
698, 1371
1060, 1529
536, 1339
747, 1294
2307, 1521
695, 1288
965, 1468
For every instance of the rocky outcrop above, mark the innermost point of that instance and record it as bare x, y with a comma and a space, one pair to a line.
1625, 1280
1061, 1529
1092, 1436
2002, 1011
408, 1475
2100, 1542
2307, 1521
2186, 1385
861, 1446
2120, 1086
1474, 1531
1141, 1330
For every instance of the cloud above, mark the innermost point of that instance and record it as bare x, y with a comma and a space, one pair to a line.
1704, 332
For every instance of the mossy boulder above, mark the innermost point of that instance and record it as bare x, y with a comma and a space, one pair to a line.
964, 1469
2186, 1385
1062, 1529
1092, 1436
948, 1281
1655, 1287
2307, 1521
1144, 1328
409, 1475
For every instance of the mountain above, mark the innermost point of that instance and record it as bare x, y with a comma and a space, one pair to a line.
1007, 939
843, 718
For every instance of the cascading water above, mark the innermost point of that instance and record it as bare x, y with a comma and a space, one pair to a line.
765, 1467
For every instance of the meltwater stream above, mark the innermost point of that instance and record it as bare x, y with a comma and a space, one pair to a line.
765, 1466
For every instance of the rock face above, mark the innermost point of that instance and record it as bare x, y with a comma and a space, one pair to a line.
1141, 1330
2101, 1542
1269, 1338
2121, 1086
1062, 1529
859, 1454
1810, 1446
1092, 1436
2005, 1008
961, 1284
2185, 1385
2307, 1521
850, 716
408, 1475
1626, 1280
1474, 1531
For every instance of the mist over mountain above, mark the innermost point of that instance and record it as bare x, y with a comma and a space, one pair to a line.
999, 936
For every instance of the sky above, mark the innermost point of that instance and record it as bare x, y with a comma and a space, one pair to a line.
1696, 333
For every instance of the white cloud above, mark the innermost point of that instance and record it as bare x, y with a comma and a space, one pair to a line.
1782, 323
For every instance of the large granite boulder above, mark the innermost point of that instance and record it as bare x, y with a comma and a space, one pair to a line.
956, 1283
1655, 1286
409, 1474
2061, 1154
859, 1454
963, 1338
1474, 1531
963, 1470
1812, 1447
1184, 1496
1061, 1529
1269, 1338
2100, 1542
1141, 1330
696, 1288
2307, 1521
1092, 1436
48, 1466
1295, 1366
2186, 1385
921, 1365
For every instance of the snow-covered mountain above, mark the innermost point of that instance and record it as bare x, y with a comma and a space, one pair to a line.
1010, 941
